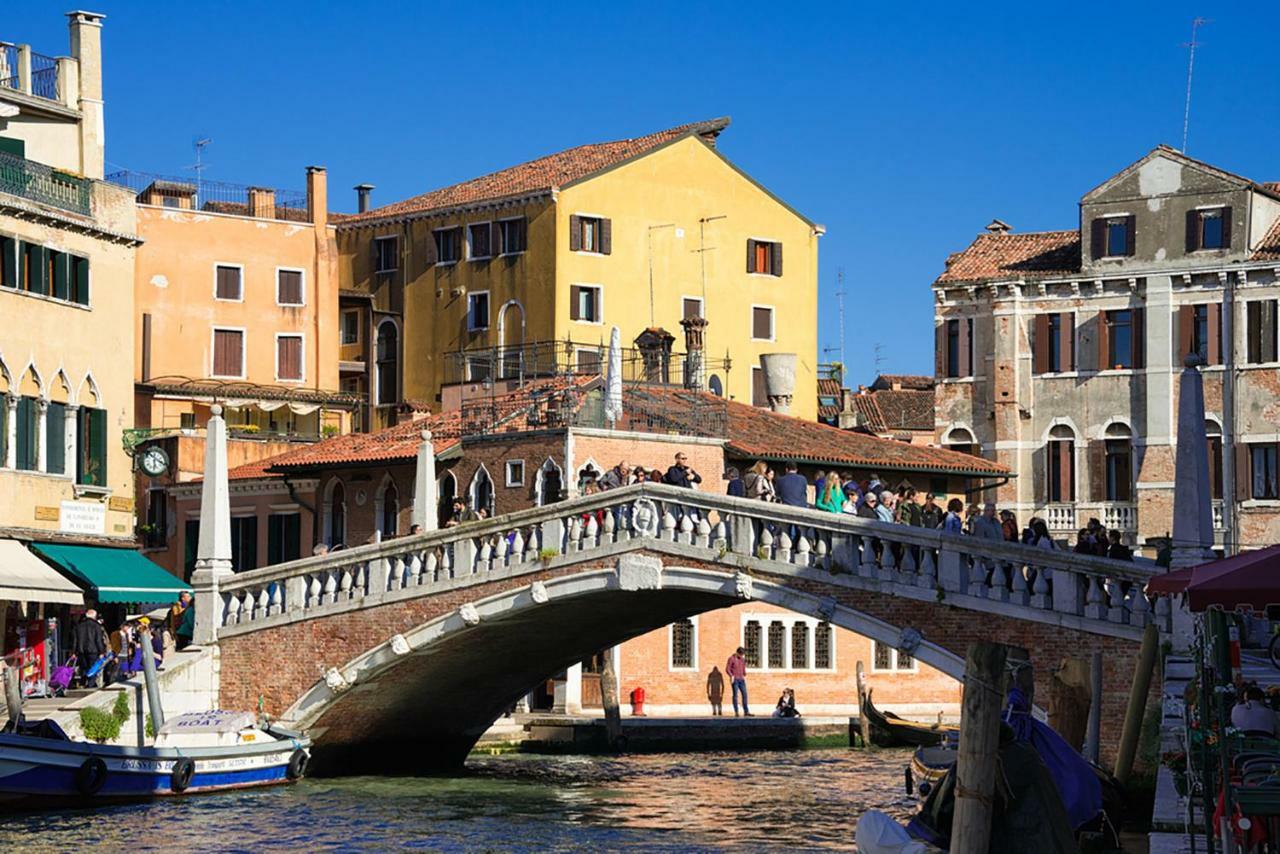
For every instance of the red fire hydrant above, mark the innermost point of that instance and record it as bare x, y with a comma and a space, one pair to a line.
637, 702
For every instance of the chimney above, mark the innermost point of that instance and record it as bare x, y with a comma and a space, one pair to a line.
654, 345
317, 195
779, 380
262, 203
363, 193
695, 369
86, 49
997, 226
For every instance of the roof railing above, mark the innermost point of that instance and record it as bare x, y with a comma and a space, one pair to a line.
43, 184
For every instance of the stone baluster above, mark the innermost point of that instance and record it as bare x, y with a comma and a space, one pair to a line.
1094, 607
592, 532
517, 546
531, 547
277, 598
1139, 607
500, 551
668, 532
978, 569
1019, 594
784, 547
295, 593
1115, 596
395, 576
1040, 593
414, 564
720, 538
575, 534
330, 588
609, 526
928, 577
264, 602
314, 590
686, 530
866, 556
344, 586
232, 616
821, 553
907, 563
485, 562
624, 525
1068, 586
702, 533
1164, 614
464, 557
999, 588
765, 551
360, 584
248, 602
803, 550
431, 567
885, 569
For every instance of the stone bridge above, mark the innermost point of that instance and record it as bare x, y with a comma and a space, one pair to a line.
398, 656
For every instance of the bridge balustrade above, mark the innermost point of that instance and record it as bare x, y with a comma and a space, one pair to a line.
745, 534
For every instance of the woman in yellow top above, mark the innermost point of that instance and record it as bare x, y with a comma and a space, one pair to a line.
831, 496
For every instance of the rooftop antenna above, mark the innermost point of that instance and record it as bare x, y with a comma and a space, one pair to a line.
879, 356
199, 166
840, 308
702, 250
1196, 23
652, 229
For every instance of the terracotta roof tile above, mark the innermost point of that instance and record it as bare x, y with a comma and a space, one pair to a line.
905, 410
909, 382
869, 414
542, 174
1033, 255
1269, 248
253, 470
829, 388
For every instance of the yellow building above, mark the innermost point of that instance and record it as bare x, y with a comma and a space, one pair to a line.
526, 270
67, 246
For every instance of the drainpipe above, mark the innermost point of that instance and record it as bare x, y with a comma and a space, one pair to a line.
983, 487
297, 499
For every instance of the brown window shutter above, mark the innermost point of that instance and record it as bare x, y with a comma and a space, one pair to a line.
1097, 470
940, 349
574, 301
1226, 227
777, 259
1104, 342
1215, 467
1193, 230
1130, 234
1186, 332
966, 365
575, 233
1097, 238
1040, 344
1138, 335
1244, 476
289, 287
289, 358
751, 255
1066, 470
606, 237
429, 255
1215, 333
227, 352
1067, 329
1269, 330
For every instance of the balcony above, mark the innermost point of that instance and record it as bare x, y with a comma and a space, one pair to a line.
23, 70
1061, 518
1219, 516
44, 185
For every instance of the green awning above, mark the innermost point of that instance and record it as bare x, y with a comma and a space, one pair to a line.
115, 575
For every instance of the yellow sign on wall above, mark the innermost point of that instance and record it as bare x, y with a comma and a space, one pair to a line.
46, 514
120, 503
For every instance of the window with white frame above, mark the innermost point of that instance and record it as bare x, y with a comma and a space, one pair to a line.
480, 240
787, 642
515, 473
448, 245
289, 358
512, 236
478, 311
684, 644
761, 323
585, 303
228, 282
885, 658
289, 287
351, 327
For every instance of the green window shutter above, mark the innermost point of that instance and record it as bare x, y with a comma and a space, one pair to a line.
8, 262
93, 447
4, 428
26, 415
16, 147
39, 270
79, 279
61, 285
55, 433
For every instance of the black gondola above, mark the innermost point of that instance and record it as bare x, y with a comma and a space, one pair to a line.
889, 730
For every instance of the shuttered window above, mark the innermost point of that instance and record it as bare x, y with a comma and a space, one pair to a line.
591, 234
228, 283
289, 357
1121, 340
1061, 470
588, 361
764, 257
584, 303
762, 323
1053, 343
91, 447
55, 438
478, 240
9, 262
1200, 332
228, 353
448, 245
956, 345
690, 308
1260, 320
512, 235
387, 356
34, 269
28, 448
1264, 471
79, 279
759, 396
4, 429
289, 287
1209, 228
1113, 236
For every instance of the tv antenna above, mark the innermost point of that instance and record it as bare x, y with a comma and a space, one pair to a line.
199, 166
1196, 24
840, 307
702, 251
880, 357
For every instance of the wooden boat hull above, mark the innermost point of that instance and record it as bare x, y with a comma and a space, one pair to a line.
890, 731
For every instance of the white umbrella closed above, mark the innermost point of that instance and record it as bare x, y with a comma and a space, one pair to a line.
613, 380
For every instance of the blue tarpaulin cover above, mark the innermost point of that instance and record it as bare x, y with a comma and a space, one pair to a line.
1076, 781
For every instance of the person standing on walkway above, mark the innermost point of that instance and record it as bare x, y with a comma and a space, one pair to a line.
90, 641
682, 474
793, 488
736, 670
830, 495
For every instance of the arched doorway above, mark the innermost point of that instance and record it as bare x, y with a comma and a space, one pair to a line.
511, 339
549, 486
335, 514
387, 508
482, 491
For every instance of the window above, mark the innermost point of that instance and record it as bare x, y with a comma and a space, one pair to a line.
284, 537
91, 447
590, 234
479, 368
759, 392
800, 646
228, 282
1209, 228
751, 642
1121, 344
1264, 467
478, 240
385, 255
336, 530
512, 236
585, 303
1113, 236
716, 385
589, 361
39, 270
9, 264
761, 323
885, 657
79, 279
682, 645
690, 308
764, 257
289, 287
1119, 464
33, 268
515, 473
28, 442
351, 327
1200, 332
228, 353
156, 533
55, 438
1061, 465
4, 430
389, 523
1260, 317
822, 646
905, 661
477, 311
1213, 433
190, 545
387, 359
289, 358
187, 420
1053, 343
777, 645
244, 543
448, 245
955, 348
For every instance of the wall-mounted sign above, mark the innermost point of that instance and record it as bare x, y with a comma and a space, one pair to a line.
46, 514
121, 503
83, 517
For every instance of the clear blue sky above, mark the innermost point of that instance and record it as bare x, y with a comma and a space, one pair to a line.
903, 128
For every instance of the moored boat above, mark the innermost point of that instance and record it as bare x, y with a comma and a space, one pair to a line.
889, 730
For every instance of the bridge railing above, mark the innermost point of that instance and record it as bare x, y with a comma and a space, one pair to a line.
711, 527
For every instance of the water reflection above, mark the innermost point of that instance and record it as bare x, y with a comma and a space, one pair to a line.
703, 801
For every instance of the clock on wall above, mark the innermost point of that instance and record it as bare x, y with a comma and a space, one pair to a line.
154, 461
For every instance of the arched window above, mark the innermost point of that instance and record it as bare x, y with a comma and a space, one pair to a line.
389, 511
447, 489
716, 386
682, 645
550, 483
1119, 463
961, 441
335, 533
387, 360
1060, 465
482, 491
1213, 432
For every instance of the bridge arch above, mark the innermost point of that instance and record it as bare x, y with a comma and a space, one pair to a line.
440, 685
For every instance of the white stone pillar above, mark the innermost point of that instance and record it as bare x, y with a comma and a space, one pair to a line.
573, 690
1192, 505
213, 554
42, 435
11, 444
424, 486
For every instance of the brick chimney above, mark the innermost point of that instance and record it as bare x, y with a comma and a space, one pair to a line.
654, 345
363, 194
695, 371
262, 203
317, 195
86, 49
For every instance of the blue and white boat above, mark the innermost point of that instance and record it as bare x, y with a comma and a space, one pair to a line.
193, 753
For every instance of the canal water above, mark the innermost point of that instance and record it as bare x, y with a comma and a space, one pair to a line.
688, 802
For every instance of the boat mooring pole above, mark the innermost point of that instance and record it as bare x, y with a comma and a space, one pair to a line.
153, 684
1137, 702
864, 724
609, 699
1093, 738
984, 689
13, 695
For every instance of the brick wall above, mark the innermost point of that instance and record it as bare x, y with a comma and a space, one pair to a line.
650, 452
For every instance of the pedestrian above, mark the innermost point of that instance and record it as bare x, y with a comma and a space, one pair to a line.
792, 488
867, 510
986, 526
1118, 550
656, 476
1009, 525
736, 488
952, 523
89, 641
931, 514
884, 512
830, 495
186, 629
461, 513
715, 691
1084, 542
757, 483
736, 670
1042, 538
619, 475
909, 510
682, 474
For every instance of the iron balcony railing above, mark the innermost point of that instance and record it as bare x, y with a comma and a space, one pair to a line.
44, 72
9, 67
203, 194
37, 182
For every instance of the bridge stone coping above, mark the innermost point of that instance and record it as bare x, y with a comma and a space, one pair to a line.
749, 538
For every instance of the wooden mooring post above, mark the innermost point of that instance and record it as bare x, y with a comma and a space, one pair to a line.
984, 680
609, 699
1137, 703
864, 725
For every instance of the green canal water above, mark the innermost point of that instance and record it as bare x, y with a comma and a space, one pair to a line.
687, 802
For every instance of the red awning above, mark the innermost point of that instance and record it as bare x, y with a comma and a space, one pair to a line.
1172, 582
1249, 580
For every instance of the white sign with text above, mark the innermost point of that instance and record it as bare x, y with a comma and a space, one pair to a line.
82, 517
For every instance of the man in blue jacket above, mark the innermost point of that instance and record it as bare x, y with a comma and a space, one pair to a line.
793, 488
